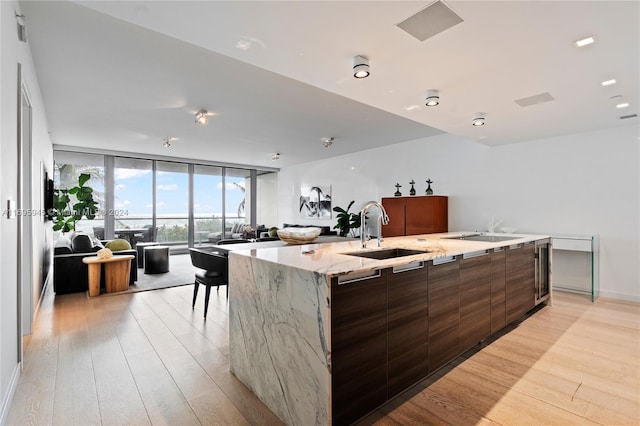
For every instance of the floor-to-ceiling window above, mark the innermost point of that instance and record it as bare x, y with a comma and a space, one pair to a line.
133, 197
207, 204
236, 197
267, 199
176, 203
172, 202
68, 167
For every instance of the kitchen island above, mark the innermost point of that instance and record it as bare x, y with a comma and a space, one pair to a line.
322, 336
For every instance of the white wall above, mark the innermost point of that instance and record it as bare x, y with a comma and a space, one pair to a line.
12, 53
585, 183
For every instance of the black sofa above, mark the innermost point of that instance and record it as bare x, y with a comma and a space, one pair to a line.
70, 274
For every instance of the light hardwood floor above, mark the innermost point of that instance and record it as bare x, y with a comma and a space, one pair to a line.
147, 358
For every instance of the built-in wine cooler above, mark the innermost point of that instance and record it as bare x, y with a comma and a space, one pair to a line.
543, 270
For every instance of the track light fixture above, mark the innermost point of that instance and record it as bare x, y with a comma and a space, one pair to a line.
433, 98
201, 117
360, 66
166, 142
478, 119
327, 142
275, 156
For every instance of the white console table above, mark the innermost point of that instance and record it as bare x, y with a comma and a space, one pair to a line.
581, 243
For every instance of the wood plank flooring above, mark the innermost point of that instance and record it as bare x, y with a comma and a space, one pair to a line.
147, 358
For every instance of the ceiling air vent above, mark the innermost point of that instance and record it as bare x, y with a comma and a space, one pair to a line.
534, 100
624, 117
430, 21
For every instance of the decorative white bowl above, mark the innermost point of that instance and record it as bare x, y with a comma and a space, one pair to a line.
298, 235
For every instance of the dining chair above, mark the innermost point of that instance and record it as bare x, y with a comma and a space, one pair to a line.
214, 269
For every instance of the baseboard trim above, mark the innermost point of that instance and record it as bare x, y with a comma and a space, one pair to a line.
6, 402
620, 296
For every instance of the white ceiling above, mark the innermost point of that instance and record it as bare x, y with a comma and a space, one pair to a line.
123, 75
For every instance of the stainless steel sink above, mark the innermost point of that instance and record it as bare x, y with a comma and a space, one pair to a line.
389, 253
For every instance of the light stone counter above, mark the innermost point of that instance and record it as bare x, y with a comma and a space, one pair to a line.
279, 299
330, 259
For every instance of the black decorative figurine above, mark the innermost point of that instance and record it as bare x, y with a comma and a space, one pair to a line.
398, 193
429, 191
412, 191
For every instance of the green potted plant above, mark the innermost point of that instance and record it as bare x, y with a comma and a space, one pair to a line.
347, 222
66, 213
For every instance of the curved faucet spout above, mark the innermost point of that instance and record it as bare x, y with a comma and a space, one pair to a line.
384, 220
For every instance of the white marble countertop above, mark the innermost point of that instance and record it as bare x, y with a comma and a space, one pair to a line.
330, 258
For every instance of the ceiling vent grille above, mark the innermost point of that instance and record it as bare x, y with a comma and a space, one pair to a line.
430, 21
534, 100
624, 117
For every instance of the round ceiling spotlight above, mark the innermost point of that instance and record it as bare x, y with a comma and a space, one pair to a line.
478, 119
360, 66
433, 98
275, 156
327, 142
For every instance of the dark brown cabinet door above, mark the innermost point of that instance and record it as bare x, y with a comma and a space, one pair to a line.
358, 347
520, 278
475, 300
408, 328
416, 215
498, 291
426, 215
395, 210
444, 312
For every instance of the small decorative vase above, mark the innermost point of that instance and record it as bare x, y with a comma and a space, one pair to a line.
398, 193
412, 191
429, 191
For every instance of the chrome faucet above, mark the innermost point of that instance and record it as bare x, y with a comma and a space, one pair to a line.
384, 220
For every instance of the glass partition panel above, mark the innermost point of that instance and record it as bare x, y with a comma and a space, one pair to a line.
133, 199
172, 203
237, 187
207, 204
67, 168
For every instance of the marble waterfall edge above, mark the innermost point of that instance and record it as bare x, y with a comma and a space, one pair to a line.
278, 331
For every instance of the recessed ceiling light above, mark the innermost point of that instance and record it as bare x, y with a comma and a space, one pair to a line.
622, 105
478, 119
361, 66
585, 41
432, 99
608, 82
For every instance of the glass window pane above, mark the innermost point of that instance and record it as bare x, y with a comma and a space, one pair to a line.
133, 204
172, 202
267, 200
207, 204
237, 185
67, 168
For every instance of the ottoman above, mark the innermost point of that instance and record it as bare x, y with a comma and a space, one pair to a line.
156, 259
140, 247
